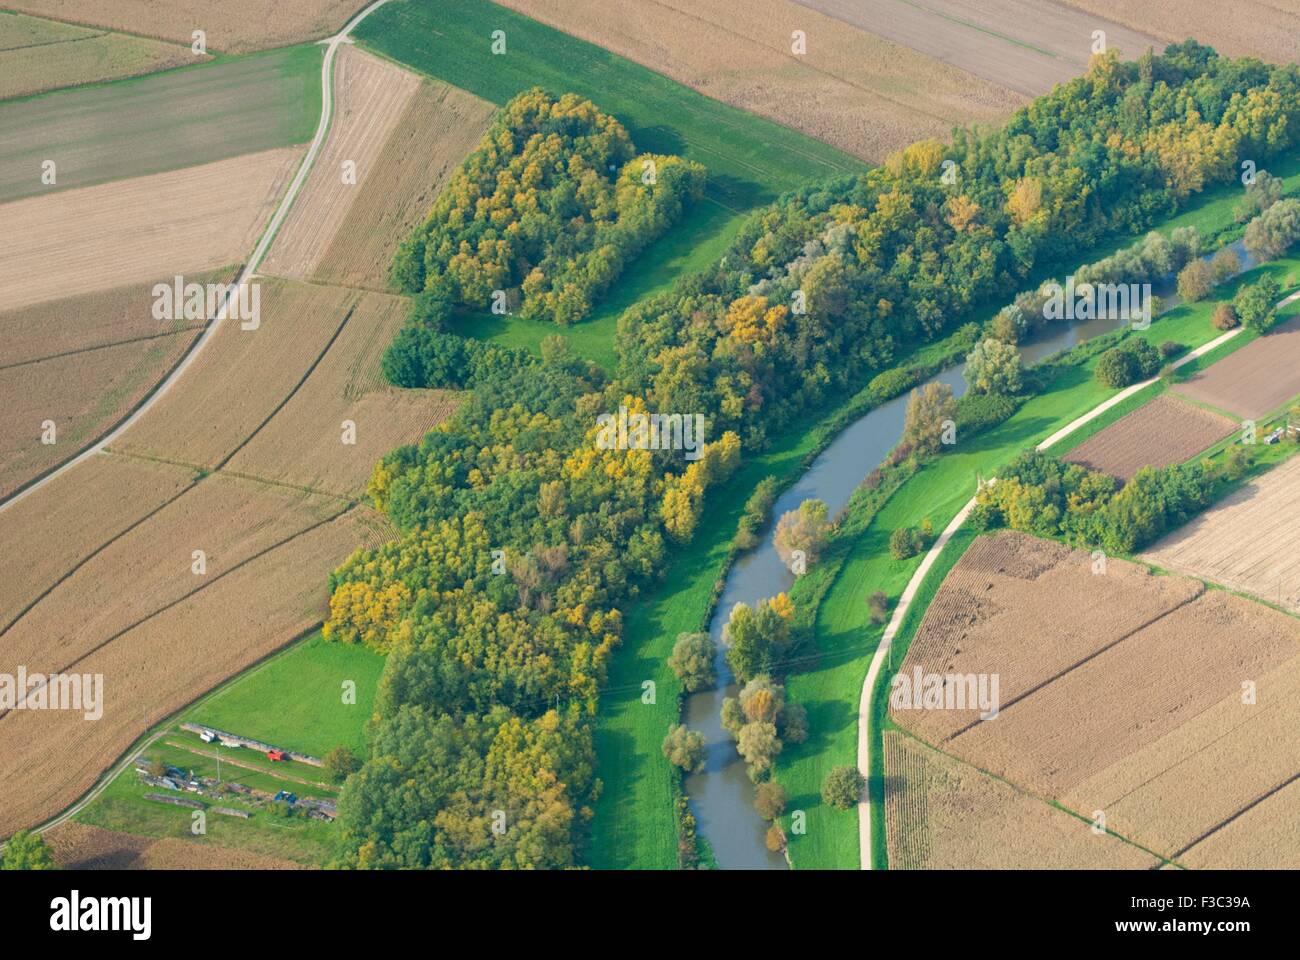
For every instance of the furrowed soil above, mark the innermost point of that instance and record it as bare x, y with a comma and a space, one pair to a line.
851, 89
1158, 434
78, 846
431, 139
1247, 541
1257, 28
371, 97
1254, 380
1024, 45
231, 26
196, 219
303, 444
48, 758
1262, 838
38, 55
946, 815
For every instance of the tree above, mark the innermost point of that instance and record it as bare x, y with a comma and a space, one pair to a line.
692, 661
685, 748
1126, 364
1224, 265
792, 723
842, 788
341, 763
929, 412
27, 851
994, 367
774, 839
1274, 231
757, 638
878, 603
1260, 196
903, 543
1195, 281
769, 800
1224, 316
1256, 304
759, 745
805, 529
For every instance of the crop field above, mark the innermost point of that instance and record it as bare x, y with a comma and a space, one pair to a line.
1256, 379
38, 55
371, 96
169, 659
82, 394
851, 89
1022, 45
946, 815
231, 26
1162, 432
439, 128
137, 230
1141, 717
232, 521
1246, 541
88, 507
1258, 28
167, 121
1259, 839
303, 444
243, 377
77, 846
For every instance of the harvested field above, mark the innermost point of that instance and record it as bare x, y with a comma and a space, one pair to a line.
1024, 45
49, 758
1258, 28
39, 55
441, 125
149, 568
88, 507
1254, 380
303, 443
232, 26
371, 96
1027, 610
1262, 838
851, 89
78, 846
83, 394
943, 815
168, 121
1157, 434
1246, 541
79, 241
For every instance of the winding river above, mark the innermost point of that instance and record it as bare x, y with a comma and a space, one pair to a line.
721, 795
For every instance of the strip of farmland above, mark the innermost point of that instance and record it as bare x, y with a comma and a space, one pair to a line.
1254, 380
850, 88
231, 26
79, 846
1160, 433
133, 231
163, 122
1257, 28
371, 96
1247, 541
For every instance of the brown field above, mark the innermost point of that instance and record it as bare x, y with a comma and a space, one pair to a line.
1147, 722
63, 523
852, 89
84, 394
242, 376
441, 125
1157, 434
1254, 380
1024, 45
1259, 28
130, 231
232, 26
1262, 838
78, 846
942, 814
39, 55
149, 568
1247, 541
371, 97
302, 445
50, 758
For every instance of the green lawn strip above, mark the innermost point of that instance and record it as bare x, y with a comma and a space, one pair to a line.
164, 121
697, 241
295, 699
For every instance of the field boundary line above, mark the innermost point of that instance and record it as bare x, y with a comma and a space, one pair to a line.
1244, 810
195, 328
249, 269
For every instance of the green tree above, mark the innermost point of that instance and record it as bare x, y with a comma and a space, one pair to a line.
929, 411
805, 529
685, 748
842, 788
27, 851
757, 640
770, 800
1256, 304
1195, 281
341, 763
994, 367
692, 661
1224, 316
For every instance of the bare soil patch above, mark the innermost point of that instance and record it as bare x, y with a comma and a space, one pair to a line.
78, 846
1158, 434
1254, 380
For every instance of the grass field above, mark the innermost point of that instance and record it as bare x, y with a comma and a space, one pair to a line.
295, 698
131, 128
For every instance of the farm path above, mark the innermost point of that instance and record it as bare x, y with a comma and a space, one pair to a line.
914, 584
254, 260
